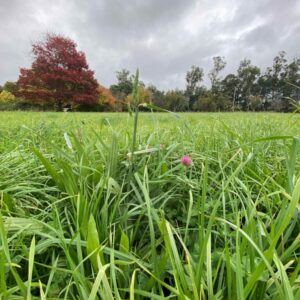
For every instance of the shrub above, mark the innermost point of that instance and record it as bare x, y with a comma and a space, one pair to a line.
7, 97
212, 102
176, 101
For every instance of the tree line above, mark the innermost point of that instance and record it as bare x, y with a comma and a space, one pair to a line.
249, 89
60, 78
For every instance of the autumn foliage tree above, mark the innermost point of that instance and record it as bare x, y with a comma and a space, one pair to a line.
145, 95
59, 75
106, 100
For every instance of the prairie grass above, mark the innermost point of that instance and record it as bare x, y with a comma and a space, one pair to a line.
87, 212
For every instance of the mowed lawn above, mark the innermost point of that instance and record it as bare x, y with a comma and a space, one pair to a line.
82, 217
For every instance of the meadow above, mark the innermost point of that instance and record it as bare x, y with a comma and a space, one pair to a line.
86, 216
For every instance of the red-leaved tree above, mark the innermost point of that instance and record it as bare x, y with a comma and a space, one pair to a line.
59, 75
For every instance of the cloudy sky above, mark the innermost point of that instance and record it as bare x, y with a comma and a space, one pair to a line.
161, 37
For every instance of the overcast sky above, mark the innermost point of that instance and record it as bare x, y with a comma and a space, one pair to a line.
161, 37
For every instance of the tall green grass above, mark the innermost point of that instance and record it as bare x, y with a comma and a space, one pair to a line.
90, 210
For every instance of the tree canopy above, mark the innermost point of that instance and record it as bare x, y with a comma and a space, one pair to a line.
59, 74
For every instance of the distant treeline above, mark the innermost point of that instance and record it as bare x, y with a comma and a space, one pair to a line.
249, 89
60, 79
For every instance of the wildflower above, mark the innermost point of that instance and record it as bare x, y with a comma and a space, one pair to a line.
186, 160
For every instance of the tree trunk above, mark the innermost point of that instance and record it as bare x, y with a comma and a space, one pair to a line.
59, 105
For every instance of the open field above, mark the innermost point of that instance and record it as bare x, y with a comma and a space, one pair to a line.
82, 217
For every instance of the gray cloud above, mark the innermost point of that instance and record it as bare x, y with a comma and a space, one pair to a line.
162, 38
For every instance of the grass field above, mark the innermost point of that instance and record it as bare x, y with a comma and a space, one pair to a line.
84, 217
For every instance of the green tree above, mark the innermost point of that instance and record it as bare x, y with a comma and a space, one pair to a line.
219, 64
122, 88
194, 77
124, 84
275, 80
248, 75
158, 97
278, 73
229, 86
176, 101
264, 87
273, 84
10, 86
291, 86
211, 102
255, 102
